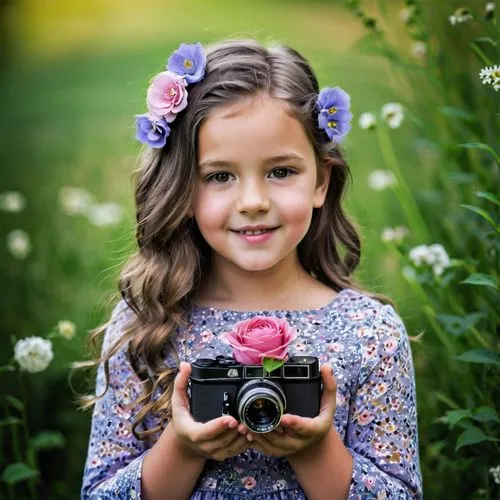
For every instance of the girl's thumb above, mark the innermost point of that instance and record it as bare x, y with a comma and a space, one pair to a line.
185, 367
183, 375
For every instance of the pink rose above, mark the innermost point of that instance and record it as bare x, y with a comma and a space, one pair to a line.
260, 337
167, 95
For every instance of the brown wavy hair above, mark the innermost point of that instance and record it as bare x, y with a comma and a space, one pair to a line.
160, 281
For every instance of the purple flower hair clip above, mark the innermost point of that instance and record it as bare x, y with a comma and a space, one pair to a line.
334, 116
167, 94
188, 61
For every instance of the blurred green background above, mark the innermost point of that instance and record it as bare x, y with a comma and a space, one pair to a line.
73, 75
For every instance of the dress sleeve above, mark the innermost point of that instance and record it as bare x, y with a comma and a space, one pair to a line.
382, 433
114, 458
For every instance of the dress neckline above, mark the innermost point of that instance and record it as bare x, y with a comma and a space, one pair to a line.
331, 303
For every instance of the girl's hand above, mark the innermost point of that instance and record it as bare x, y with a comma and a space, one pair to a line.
296, 434
217, 439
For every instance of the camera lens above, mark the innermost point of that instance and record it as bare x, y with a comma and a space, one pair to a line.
261, 404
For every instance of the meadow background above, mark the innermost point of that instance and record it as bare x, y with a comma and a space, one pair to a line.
72, 76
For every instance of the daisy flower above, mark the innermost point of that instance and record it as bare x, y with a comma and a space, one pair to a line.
490, 75
461, 15
367, 121
393, 114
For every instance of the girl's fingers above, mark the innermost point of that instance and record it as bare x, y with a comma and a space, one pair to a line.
181, 383
239, 445
180, 402
181, 379
303, 426
222, 441
214, 428
276, 441
328, 398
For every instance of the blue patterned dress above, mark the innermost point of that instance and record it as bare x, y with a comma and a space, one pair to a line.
366, 343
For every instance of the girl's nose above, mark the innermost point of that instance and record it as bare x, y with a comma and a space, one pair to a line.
252, 198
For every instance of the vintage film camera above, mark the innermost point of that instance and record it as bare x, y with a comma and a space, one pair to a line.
222, 386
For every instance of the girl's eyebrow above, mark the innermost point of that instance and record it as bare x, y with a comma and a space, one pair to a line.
272, 159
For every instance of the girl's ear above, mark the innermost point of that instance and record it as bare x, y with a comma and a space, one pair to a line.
321, 189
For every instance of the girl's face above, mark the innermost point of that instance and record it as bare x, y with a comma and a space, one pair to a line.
256, 167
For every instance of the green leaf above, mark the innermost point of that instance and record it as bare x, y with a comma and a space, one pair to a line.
17, 472
480, 356
271, 364
462, 177
481, 279
488, 196
48, 440
10, 421
7, 368
486, 39
434, 449
457, 325
454, 416
480, 54
473, 435
16, 403
480, 145
483, 213
458, 113
485, 414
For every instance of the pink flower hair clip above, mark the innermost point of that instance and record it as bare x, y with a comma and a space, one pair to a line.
167, 94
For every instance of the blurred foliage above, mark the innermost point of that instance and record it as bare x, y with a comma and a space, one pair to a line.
456, 122
73, 76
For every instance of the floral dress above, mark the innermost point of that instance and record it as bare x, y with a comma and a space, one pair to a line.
366, 343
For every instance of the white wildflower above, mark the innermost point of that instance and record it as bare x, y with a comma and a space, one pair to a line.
419, 255
105, 214
33, 354
394, 234
419, 50
74, 200
461, 15
18, 244
381, 179
12, 201
490, 7
406, 14
433, 255
441, 260
393, 114
495, 472
491, 76
367, 121
66, 329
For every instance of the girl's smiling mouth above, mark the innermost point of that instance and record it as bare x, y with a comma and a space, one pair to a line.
257, 235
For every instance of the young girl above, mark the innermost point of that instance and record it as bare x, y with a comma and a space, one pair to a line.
239, 215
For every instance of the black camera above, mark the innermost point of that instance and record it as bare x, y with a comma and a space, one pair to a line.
222, 386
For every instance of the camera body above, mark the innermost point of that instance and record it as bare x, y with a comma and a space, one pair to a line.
222, 386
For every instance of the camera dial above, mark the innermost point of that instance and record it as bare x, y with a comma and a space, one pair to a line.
205, 362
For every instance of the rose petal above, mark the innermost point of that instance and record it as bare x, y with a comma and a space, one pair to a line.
278, 353
251, 357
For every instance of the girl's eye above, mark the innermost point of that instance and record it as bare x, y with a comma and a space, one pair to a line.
281, 172
223, 177
219, 177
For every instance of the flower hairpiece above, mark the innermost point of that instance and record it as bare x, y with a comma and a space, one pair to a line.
334, 116
167, 94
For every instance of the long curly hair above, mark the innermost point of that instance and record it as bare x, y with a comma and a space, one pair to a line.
159, 282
